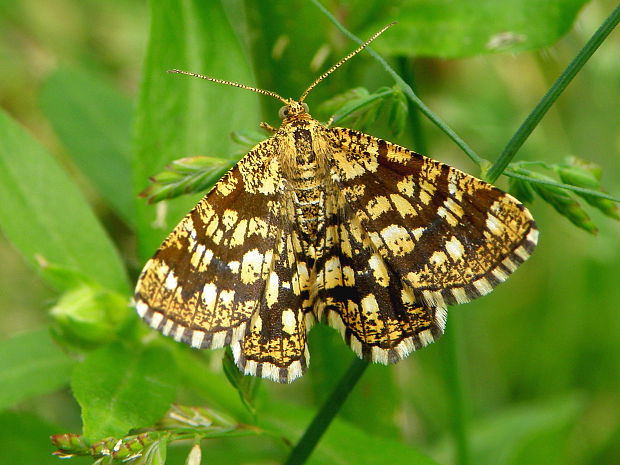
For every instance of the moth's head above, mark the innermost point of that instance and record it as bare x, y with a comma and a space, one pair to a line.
293, 109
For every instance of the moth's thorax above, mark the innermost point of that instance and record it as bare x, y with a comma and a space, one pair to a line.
305, 169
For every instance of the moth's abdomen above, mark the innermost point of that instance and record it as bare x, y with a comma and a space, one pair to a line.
309, 204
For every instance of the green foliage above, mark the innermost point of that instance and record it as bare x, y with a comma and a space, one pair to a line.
185, 176
98, 136
24, 440
573, 172
523, 363
451, 29
112, 383
31, 364
246, 386
178, 116
44, 214
361, 109
87, 316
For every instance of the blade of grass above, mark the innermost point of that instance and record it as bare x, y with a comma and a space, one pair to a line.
551, 95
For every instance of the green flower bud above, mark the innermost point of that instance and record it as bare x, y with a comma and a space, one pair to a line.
521, 190
576, 176
591, 167
88, 316
68, 444
186, 175
587, 176
335, 104
560, 199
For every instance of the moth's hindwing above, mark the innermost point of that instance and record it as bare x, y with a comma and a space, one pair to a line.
361, 296
449, 236
274, 346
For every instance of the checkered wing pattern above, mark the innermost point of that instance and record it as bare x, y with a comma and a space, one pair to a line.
414, 236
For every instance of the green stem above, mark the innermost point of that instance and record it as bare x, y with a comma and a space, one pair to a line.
405, 69
330, 408
455, 383
551, 96
407, 90
581, 190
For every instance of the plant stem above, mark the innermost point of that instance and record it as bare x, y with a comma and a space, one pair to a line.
568, 187
407, 90
406, 70
330, 408
454, 378
551, 96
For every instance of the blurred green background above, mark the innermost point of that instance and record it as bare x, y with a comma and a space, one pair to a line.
540, 356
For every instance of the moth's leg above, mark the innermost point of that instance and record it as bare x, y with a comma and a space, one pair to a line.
267, 127
330, 121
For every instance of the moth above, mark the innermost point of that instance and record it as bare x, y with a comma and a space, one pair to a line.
327, 224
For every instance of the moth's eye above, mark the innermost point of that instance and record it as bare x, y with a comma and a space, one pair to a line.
303, 104
283, 113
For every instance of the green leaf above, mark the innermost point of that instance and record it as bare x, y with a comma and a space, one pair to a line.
24, 440
31, 364
120, 388
44, 214
196, 375
449, 29
290, 44
93, 120
179, 116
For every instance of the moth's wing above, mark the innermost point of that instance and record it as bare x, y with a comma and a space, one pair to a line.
366, 300
275, 344
449, 236
209, 276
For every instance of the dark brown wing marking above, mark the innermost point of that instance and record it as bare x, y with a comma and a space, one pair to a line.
450, 236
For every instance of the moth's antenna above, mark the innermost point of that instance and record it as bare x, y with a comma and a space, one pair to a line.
231, 83
341, 62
